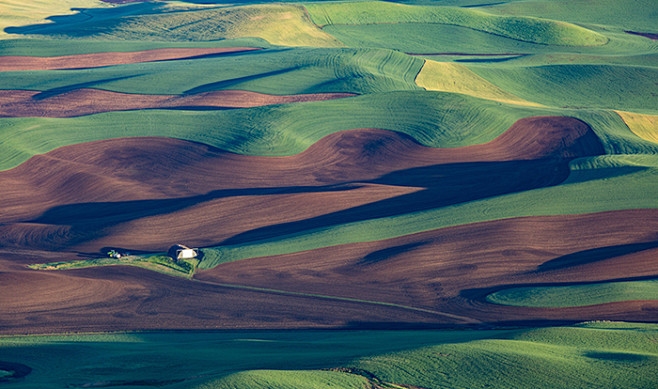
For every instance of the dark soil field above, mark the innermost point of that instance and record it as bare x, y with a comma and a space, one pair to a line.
77, 200
81, 61
78, 102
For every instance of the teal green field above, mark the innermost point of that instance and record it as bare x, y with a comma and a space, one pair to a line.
369, 194
591, 353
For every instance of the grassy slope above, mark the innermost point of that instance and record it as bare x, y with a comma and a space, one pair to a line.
585, 355
21, 13
281, 24
520, 28
276, 71
428, 37
290, 379
567, 357
602, 86
644, 126
457, 78
433, 118
576, 295
637, 15
160, 263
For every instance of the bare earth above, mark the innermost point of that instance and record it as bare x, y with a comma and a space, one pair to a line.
94, 60
138, 193
78, 102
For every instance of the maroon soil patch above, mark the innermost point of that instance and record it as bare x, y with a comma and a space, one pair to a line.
78, 102
94, 60
147, 193
132, 192
136, 299
453, 269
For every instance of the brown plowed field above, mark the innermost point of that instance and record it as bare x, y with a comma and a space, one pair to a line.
452, 269
95, 60
147, 193
78, 102
122, 298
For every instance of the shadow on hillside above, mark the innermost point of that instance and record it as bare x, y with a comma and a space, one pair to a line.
594, 255
68, 88
87, 22
443, 185
480, 294
88, 220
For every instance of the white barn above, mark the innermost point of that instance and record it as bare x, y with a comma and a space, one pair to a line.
179, 251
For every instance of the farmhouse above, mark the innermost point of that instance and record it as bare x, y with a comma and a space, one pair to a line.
179, 251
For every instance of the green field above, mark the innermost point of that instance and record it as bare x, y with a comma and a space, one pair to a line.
576, 295
630, 88
525, 29
433, 118
275, 71
57, 47
280, 24
160, 263
586, 355
639, 15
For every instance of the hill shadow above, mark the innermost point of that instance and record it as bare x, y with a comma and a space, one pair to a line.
68, 88
225, 84
594, 255
78, 24
88, 220
443, 185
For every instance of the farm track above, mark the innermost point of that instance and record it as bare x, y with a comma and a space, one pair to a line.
79, 102
95, 60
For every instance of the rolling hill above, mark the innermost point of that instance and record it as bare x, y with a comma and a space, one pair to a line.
465, 189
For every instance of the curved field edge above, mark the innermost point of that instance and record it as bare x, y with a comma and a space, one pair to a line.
528, 29
644, 126
159, 263
280, 24
432, 118
275, 71
576, 295
457, 78
586, 191
59, 47
618, 87
80, 102
587, 354
15, 13
112, 58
